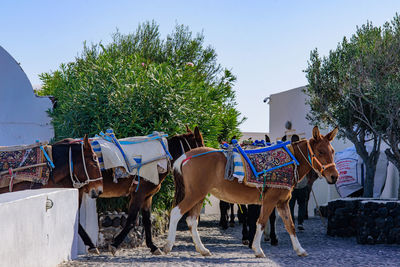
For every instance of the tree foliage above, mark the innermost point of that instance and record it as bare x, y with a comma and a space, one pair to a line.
141, 83
362, 79
381, 75
334, 83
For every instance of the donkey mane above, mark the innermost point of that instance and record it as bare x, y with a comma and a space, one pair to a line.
60, 151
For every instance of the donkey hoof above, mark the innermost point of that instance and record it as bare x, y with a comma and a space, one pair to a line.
205, 253
167, 248
260, 255
157, 252
112, 249
94, 251
302, 253
274, 242
245, 242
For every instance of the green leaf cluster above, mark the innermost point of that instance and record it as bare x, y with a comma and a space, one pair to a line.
358, 88
140, 83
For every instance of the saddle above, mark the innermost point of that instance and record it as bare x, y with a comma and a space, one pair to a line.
270, 166
24, 163
145, 156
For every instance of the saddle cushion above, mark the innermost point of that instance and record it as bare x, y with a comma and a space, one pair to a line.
110, 157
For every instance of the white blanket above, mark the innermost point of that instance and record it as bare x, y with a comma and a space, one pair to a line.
144, 151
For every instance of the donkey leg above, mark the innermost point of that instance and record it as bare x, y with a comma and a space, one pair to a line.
87, 241
189, 201
253, 215
175, 216
272, 233
245, 230
192, 222
146, 216
135, 203
232, 217
284, 212
266, 210
223, 221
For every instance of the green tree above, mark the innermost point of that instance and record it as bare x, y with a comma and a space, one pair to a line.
334, 85
141, 83
381, 75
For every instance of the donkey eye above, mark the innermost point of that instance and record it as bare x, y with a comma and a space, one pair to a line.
94, 157
321, 152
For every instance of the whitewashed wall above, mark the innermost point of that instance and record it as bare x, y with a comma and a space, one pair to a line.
34, 237
89, 220
23, 116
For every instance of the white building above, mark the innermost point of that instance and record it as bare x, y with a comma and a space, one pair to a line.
23, 116
290, 106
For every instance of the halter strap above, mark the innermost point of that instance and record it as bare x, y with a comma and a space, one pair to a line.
76, 183
312, 159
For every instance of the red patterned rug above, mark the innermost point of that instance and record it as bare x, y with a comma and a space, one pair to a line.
280, 178
11, 157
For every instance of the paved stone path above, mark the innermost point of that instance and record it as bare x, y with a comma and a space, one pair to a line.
228, 251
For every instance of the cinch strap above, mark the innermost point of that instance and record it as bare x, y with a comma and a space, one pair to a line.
47, 157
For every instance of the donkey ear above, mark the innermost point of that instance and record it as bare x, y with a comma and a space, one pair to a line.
330, 136
86, 143
197, 134
315, 133
188, 129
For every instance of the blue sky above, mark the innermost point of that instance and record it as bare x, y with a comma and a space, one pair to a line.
266, 44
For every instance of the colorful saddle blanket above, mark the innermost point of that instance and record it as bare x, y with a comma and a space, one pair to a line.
13, 157
146, 156
283, 176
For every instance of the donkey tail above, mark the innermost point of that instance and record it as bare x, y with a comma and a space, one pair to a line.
178, 179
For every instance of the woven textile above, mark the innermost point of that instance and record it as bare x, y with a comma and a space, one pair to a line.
16, 157
282, 177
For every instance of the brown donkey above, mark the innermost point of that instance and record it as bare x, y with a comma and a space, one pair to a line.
205, 174
142, 199
85, 174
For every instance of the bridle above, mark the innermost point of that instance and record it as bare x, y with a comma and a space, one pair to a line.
187, 143
312, 159
76, 183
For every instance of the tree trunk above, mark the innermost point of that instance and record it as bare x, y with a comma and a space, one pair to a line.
369, 179
392, 158
370, 159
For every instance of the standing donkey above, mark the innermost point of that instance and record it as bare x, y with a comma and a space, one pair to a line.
196, 176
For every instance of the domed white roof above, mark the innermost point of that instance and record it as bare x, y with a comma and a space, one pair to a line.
23, 116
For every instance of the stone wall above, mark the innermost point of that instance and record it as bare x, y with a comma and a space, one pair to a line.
111, 223
379, 222
370, 221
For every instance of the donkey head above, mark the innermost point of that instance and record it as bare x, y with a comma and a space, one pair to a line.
323, 161
179, 144
95, 182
